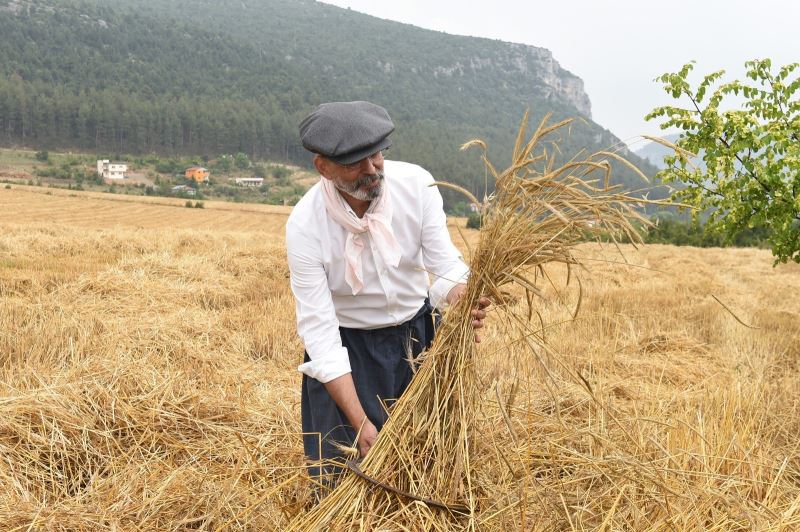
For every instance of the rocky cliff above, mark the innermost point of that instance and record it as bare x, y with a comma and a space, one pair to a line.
519, 60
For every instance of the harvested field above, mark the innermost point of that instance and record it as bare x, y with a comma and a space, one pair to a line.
147, 380
103, 210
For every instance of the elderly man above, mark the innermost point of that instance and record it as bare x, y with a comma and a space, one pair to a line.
361, 244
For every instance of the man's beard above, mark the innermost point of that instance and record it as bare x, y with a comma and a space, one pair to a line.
354, 188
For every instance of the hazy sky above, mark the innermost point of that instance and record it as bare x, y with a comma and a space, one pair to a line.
618, 46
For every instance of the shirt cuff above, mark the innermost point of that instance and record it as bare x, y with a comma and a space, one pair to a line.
328, 367
442, 285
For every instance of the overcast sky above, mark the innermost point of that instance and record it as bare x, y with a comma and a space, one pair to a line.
619, 46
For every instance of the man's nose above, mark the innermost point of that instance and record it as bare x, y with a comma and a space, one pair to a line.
370, 168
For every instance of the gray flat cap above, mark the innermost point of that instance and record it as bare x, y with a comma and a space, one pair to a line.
346, 132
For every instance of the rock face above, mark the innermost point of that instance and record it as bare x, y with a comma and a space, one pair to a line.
562, 84
536, 65
565, 84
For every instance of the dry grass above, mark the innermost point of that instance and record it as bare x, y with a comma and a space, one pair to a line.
100, 209
147, 381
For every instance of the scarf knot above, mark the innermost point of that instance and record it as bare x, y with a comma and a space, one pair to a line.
377, 221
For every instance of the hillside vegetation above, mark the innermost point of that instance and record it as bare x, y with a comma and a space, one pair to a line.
209, 77
151, 175
148, 380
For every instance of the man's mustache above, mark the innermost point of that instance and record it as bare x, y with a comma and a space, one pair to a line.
369, 179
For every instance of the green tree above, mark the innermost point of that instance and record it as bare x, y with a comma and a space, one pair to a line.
242, 161
281, 174
224, 163
259, 171
751, 152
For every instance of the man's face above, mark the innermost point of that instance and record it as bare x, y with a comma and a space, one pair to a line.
363, 180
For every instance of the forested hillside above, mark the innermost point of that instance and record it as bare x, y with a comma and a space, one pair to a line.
210, 77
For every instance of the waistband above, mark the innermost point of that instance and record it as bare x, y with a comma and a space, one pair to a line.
425, 310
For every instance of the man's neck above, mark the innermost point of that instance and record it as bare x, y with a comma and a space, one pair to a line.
359, 206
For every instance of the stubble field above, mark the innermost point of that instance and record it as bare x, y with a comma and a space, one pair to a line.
148, 382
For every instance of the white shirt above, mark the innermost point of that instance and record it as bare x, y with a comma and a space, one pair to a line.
391, 296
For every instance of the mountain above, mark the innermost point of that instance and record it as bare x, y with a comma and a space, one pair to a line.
208, 77
654, 153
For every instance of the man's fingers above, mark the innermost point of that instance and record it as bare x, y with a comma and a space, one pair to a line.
364, 448
479, 314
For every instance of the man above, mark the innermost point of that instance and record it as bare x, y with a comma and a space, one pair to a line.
361, 244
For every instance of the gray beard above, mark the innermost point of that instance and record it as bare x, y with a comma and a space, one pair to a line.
354, 189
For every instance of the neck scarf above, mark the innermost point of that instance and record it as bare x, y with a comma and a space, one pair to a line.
377, 221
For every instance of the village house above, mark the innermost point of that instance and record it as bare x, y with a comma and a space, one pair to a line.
249, 181
111, 170
197, 174
178, 190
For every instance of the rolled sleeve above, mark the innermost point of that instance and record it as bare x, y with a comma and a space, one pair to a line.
442, 259
317, 324
329, 367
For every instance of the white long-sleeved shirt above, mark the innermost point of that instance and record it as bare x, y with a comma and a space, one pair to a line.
391, 296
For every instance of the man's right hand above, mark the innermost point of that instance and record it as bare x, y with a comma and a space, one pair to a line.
366, 437
343, 392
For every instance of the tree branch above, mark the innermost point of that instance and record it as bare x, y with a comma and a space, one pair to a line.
767, 190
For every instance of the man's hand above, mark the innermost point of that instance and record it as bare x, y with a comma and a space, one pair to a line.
366, 437
343, 392
478, 313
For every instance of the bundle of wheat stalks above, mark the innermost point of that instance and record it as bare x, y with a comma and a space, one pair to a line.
420, 474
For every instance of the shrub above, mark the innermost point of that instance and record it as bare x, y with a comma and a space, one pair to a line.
43, 156
474, 221
170, 166
281, 174
693, 233
199, 205
188, 204
224, 163
242, 161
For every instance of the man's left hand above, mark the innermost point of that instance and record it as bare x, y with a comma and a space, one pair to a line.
478, 313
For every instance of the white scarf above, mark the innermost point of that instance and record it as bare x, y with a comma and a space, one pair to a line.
377, 221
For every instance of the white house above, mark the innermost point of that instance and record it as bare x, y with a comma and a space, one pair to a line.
189, 191
249, 181
109, 170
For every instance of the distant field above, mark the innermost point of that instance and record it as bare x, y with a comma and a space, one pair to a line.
16, 157
148, 381
17, 163
21, 159
101, 210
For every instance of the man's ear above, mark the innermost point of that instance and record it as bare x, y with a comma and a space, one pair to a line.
322, 165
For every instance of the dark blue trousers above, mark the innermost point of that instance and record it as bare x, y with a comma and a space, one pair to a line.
381, 369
